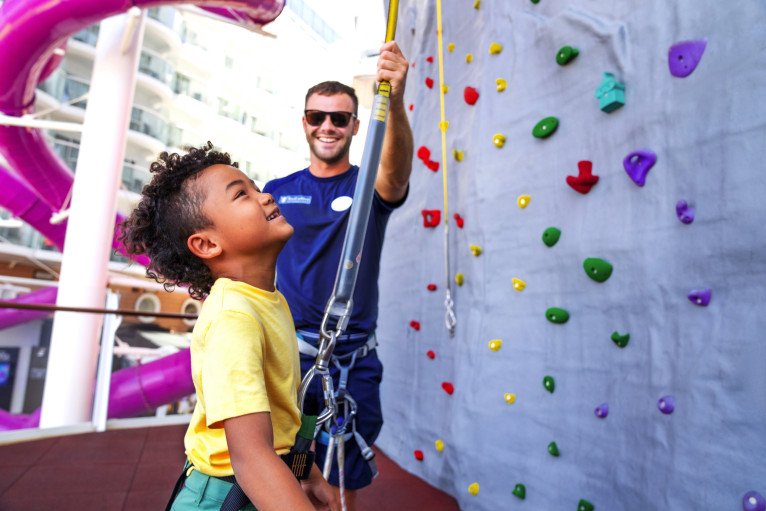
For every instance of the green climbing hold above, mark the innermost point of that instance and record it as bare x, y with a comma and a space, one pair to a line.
546, 127
584, 505
597, 269
557, 315
549, 383
535, 1
551, 236
566, 54
553, 449
620, 340
520, 491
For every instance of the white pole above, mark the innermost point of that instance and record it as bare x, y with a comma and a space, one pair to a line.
104, 376
70, 380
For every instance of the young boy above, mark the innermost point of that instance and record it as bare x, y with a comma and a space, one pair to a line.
204, 224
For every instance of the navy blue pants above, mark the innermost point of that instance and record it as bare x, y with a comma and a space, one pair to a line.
364, 386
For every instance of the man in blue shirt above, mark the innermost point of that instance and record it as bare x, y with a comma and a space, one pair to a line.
316, 201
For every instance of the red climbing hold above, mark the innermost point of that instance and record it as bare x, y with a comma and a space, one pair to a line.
448, 387
430, 354
430, 59
430, 83
459, 220
471, 95
584, 180
424, 153
415, 325
418, 455
433, 165
431, 287
431, 217
412, 107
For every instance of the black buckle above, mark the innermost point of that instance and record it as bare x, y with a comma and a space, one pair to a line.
299, 463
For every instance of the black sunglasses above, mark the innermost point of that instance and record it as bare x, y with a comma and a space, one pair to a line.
338, 119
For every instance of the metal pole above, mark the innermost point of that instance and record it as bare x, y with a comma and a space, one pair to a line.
68, 394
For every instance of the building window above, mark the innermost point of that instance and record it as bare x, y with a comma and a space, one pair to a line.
147, 302
190, 306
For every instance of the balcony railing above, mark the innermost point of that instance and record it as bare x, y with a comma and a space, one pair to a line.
87, 35
65, 88
146, 122
165, 15
157, 67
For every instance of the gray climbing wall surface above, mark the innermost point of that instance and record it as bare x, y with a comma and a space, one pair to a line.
602, 405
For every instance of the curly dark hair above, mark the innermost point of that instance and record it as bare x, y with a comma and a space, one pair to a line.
169, 212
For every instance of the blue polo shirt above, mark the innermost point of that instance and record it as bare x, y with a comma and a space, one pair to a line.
318, 209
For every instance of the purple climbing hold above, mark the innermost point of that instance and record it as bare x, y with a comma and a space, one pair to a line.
638, 164
666, 404
753, 501
683, 57
700, 297
684, 212
602, 410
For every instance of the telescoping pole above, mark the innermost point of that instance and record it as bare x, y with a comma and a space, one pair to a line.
339, 306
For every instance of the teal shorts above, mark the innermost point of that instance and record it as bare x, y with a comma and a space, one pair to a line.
202, 492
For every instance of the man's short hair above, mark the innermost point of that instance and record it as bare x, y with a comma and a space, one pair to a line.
330, 89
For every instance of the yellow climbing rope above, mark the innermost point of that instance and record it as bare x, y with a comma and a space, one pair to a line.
449, 319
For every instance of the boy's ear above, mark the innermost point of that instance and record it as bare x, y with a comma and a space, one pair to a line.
203, 246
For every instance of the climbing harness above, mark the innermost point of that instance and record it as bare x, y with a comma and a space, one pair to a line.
340, 304
450, 320
343, 398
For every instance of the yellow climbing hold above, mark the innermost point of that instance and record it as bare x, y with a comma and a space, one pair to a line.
439, 444
495, 344
444, 125
475, 249
469, 58
476, 4
473, 488
458, 154
451, 47
509, 397
445, 89
459, 279
501, 84
499, 140
495, 48
518, 284
523, 201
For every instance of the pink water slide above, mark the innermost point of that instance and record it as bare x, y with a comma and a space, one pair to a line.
37, 183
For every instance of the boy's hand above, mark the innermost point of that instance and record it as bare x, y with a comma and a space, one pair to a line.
319, 492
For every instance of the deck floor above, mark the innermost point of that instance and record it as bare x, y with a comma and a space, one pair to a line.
135, 469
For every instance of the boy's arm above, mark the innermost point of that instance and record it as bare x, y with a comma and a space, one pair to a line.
263, 476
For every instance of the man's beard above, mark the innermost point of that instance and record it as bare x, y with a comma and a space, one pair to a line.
335, 158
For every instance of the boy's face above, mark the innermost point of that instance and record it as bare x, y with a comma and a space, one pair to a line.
245, 220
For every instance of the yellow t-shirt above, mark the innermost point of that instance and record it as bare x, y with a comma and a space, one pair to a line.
244, 360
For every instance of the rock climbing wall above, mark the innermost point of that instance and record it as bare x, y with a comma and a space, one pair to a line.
605, 163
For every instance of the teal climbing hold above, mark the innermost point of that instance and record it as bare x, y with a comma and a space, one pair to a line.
545, 127
557, 315
566, 54
584, 505
549, 383
553, 449
551, 236
597, 269
620, 340
520, 491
